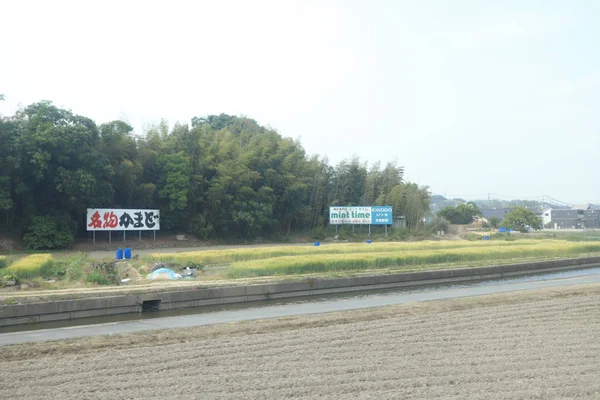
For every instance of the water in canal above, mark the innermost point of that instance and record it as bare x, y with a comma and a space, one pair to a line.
338, 302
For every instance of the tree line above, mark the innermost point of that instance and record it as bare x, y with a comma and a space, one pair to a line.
221, 176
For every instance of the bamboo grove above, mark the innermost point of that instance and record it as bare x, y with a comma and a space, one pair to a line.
222, 176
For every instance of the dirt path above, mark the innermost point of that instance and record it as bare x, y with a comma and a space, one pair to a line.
541, 344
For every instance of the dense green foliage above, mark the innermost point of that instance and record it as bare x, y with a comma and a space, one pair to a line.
461, 214
520, 219
47, 233
495, 222
222, 177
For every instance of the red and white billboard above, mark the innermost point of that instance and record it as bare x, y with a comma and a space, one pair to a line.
116, 219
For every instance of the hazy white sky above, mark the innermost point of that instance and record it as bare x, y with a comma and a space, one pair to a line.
472, 97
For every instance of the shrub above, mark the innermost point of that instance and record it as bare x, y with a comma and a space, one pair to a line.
102, 274
195, 264
74, 267
45, 233
198, 226
100, 278
438, 224
56, 271
318, 234
3, 261
473, 236
9, 277
31, 266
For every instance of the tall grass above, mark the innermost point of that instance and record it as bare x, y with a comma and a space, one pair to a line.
262, 253
581, 238
31, 266
288, 265
3, 261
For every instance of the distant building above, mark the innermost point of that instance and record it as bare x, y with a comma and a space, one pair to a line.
499, 213
579, 216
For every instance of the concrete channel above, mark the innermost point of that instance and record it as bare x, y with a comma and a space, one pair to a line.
211, 315
63, 310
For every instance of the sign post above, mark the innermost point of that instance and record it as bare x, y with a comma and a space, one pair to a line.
113, 219
375, 215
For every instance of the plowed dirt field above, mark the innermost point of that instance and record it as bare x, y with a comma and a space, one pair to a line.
533, 345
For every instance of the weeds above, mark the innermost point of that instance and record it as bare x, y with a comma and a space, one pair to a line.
31, 266
102, 273
195, 265
347, 262
213, 257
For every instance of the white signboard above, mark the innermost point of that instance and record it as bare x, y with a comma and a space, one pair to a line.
375, 215
116, 219
350, 215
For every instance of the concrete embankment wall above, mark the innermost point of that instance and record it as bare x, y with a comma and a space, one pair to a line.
184, 298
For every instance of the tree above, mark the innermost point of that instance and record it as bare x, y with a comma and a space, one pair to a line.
520, 218
494, 222
173, 187
222, 176
46, 233
462, 214
410, 201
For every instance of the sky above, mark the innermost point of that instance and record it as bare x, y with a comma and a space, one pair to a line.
473, 98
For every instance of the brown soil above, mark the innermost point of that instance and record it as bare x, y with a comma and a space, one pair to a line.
540, 344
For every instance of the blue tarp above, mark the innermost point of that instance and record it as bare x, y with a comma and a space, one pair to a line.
163, 273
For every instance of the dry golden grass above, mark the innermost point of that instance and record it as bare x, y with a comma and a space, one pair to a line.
30, 266
261, 253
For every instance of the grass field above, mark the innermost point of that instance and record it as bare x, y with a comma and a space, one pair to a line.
30, 266
67, 270
249, 254
289, 260
541, 344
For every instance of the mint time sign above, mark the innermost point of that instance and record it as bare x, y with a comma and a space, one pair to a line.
375, 215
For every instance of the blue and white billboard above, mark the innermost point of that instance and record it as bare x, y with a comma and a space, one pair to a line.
381, 215
376, 215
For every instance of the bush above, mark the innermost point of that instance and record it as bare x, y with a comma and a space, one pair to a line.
318, 234
438, 224
473, 236
74, 267
3, 261
45, 233
199, 227
56, 271
102, 274
31, 266
9, 277
195, 265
